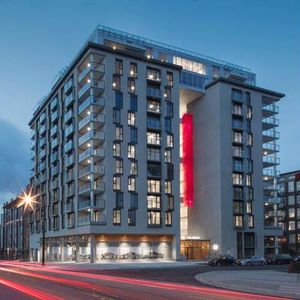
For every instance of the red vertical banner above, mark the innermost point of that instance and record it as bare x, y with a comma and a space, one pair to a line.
188, 159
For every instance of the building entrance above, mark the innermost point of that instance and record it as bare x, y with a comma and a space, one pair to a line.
195, 249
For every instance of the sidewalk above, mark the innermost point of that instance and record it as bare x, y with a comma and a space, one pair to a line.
116, 265
273, 283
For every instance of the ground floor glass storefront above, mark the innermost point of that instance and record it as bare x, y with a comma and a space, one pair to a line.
195, 249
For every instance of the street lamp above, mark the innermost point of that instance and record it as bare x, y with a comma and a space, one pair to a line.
215, 247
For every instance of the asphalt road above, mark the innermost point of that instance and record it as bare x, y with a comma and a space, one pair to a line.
26, 281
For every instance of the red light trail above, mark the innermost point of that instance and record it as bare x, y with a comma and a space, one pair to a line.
29, 291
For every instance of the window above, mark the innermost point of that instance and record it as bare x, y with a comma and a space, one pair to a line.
153, 138
291, 200
237, 137
116, 149
170, 109
119, 166
154, 170
153, 122
153, 154
119, 66
119, 100
133, 103
168, 156
133, 200
250, 194
236, 95
291, 187
237, 123
116, 217
238, 221
131, 119
154, 218
249, 112
170, 79
153, 202
250, 139
168, 125
291, 213
131, 85
131, 151
133, 168
170, 171
237, 109
153, 106
237, 151
133, 135
131, 184
237, 179
168, 218
189, 65
248, 180
153, 186
292, 238
131, 217
238, 207
116, 83
170, 142
298, 186
116, 183
168, 187
167, 94
298, 199
153, 74
116, 116
119, 200
133, 70
291, 225
119, 133
170, 205
249, 207
250, 221
238, 165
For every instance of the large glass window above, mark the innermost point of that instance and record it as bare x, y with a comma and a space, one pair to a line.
170, 141
291, 200
133, 135
116, 183
119, 133
131, 184
238, 207
168, 125
133, 103
238, 221
153, 138
153, 122
237, 179
237, 137
168, 218
153, 154
133, 168
291, 212
168, 187
119, 100
131, 119
154, 170
154, 218
119, 200
116, 116
153, 106
153, 186
116, 149
116, 217
133, 70
131, 217
133, 200
119, 166
153, 202
189, 65
131, 151
291, 186
119, 66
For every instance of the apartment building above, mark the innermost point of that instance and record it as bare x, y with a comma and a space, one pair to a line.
288, 213
14, 235
118, 161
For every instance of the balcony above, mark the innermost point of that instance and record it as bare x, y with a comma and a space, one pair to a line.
84, 219
153, 75
84, 204
42, 142
70, 207
153, 107
237, 153
54, 157
98, 170
192, 86
68, 116
70, 160
97, 153
153, 92
70, 191
54, 130
269, 148
68, 146
270, 135
85, 189
85, 91
54, 170
42, 153
54, 184
97, 69
69, 100
270, 110
68, 86
69, 176
53, 104
54, 116
42, 118
99, 187
42, 129
99, 203
269, 161
270, 174
69, 130
96, 136
97, 104
97, 118
54, 143
270, 122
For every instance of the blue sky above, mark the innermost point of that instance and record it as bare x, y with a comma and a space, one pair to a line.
38, 38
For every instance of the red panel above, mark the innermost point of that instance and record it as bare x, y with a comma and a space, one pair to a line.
188, 159
297, 176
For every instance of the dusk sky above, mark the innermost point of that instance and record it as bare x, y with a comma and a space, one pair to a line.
39, 38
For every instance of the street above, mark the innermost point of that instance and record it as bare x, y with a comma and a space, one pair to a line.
32, 281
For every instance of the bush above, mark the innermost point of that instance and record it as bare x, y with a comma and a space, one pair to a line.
295, 267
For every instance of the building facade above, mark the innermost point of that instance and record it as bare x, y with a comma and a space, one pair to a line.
15, 234
289, 212
118, 161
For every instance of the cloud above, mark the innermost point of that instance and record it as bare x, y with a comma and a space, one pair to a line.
14, 160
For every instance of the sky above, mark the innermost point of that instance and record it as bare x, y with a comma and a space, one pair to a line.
39, 38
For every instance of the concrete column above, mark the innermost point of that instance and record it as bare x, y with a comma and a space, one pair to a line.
62, 250
77, 252
93, 251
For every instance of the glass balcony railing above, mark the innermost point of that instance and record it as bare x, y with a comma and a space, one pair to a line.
271, 160
82, 204
69, 130
154, 75
90, 152
271, 108
91, 118
91, 169
91, 101
69, 100
68, 146
271, 121
153, 92
271, 134
90, 67
271, 147
68, 115
91, 135
93, 84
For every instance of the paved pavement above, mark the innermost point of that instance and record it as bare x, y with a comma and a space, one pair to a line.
267, 282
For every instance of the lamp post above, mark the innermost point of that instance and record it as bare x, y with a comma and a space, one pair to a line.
43, 234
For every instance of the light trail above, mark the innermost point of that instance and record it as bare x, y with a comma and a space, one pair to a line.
156, 284
29, 291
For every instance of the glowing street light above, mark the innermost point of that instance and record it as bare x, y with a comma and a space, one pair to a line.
215, 247
28, 200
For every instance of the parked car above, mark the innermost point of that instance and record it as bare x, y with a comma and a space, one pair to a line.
222, 260
297, 258
109, 255
280, 259
252, 261
131, 255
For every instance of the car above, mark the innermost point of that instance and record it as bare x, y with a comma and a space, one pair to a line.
280, 259
297, 258
222, 260
109, 255
252, 261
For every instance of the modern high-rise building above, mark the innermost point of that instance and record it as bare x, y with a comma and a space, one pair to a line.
289, 212
144, 150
